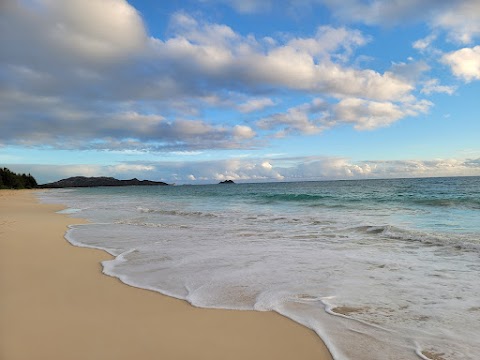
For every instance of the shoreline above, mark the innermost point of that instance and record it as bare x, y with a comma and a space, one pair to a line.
56, 303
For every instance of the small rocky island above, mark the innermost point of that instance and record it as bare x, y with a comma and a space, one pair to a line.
82, 181
226, 182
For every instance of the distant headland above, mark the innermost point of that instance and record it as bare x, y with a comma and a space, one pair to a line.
82, 181
226, 182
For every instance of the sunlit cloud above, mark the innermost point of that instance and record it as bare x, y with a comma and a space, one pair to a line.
465, 63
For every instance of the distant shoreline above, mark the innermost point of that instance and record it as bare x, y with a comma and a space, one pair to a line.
82, 181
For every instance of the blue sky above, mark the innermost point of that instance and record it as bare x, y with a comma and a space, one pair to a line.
208, 90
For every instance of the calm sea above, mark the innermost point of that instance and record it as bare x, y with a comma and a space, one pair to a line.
380, 269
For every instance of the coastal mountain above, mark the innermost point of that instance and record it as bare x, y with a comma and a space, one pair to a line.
227, 182
82, 181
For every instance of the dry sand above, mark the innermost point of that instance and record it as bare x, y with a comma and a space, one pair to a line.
56, 304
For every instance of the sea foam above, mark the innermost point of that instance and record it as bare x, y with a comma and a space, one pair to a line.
376, 277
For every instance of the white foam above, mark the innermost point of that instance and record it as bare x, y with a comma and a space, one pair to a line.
68, 236
69, 211
412, 290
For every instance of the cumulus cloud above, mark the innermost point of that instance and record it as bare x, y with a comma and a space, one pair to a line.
326, 168
461, 19
331, 168
243, 132
465, 63
307, 118
427, 168
424, 43
432, 86
63, 125
328, 40
368, 115
227, 58
77, 75
314, 117
236, 169
255, 104
73, 31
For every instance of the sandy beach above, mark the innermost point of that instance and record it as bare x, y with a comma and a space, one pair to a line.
56, 304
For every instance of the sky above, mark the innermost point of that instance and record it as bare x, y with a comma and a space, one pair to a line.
193, 92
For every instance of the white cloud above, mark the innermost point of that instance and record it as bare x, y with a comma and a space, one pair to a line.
325, 168
465, 63
266, 165
237, 169
427, 168
260, 170
424, 43
461, 20
210, 50
129, 168
241, 169
76, 30
328, 168
104, 84
67, 126
433, 86
136, 122
306, 118
243, 132
329, 40
108, 28
364, 114
368, 115
255, 104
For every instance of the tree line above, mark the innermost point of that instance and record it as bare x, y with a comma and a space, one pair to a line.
11, 180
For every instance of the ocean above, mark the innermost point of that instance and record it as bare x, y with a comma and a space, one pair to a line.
380, 269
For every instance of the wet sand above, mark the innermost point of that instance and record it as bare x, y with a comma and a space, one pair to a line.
56, 304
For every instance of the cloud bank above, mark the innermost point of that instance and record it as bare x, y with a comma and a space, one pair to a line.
88, 75
260, 170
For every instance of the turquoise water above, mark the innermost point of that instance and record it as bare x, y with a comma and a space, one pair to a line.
402, 255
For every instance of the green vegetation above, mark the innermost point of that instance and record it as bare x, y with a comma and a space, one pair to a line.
11, 180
